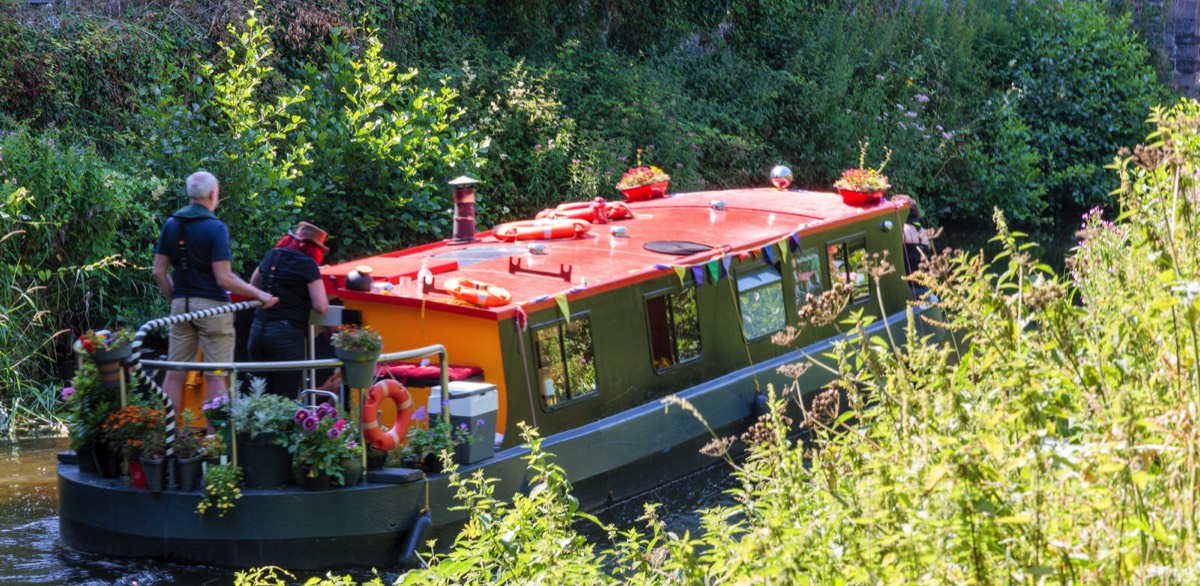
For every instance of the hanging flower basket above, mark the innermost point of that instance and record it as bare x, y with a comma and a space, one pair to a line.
859, 198
358, 366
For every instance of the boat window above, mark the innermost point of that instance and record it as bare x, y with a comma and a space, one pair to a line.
809, 277
760, 297
674, 328
565, 362
846, 262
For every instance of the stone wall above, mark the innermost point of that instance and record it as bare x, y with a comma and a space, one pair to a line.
1181, 41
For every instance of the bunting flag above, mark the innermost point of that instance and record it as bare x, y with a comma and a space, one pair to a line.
742, 255
698, 273
767, 251
680, 272
561, 300
784, 250
796, 240
714, 270
726, 261
662, 267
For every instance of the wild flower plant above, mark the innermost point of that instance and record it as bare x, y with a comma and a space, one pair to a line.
221, 490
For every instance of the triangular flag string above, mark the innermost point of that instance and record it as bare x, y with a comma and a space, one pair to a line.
767, 251
680, 271
561, 300
714, 270
698, 273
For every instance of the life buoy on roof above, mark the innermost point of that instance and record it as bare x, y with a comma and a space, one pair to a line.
541, 229
375, 434
481, 294
585, 210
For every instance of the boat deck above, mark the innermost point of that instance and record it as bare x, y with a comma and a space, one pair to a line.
602, 260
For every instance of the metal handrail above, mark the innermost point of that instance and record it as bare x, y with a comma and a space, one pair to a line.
232, 369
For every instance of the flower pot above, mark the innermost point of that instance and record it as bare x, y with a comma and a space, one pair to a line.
376, 458
221, 428
108, 461
86, 455
152, 473
108, 365
137, 474
358, 369
859, 198
318, 482
645, 192
264, 464
189, 472
432, 464
352, 470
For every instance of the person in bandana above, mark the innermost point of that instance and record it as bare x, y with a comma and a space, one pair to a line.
290, 272
193, 268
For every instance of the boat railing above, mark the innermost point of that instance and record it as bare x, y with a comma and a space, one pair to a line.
139, 368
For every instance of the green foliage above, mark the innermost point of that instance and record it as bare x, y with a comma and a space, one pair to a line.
1048, 437
382, 149
528, 540
219, 118
73, 228
1084, 84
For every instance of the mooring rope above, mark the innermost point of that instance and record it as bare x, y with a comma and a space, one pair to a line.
135, 359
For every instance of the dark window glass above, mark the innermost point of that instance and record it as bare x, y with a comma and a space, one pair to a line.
674, 328
566, 368
760, 297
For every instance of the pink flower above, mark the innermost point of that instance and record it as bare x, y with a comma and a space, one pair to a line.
67, 392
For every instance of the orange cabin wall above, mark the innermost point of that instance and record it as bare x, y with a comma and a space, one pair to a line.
468, 341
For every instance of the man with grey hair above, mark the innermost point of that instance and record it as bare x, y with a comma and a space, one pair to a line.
193, 267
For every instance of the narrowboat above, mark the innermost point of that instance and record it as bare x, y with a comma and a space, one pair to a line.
577, 323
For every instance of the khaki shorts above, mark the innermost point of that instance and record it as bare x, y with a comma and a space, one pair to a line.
214, 335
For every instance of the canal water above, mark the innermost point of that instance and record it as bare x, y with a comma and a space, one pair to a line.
31, 553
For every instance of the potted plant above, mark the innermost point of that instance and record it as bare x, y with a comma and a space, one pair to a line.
220, 489
106, 349
425, 448
216, 415
641, 183
864, 185
358, 348
189, 452
262, 421
319, 443
153, 456
126, 431
88, 406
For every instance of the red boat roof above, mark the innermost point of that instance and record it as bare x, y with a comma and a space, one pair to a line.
601, 260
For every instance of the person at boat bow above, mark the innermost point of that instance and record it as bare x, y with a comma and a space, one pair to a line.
193, 268
290, 272
916, 244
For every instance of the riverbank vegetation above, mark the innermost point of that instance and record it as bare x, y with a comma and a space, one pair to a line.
358, 114
1050, 438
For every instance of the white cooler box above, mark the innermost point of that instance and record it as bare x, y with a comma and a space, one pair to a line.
474, 404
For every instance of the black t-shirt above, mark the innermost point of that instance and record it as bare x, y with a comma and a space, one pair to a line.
286, 273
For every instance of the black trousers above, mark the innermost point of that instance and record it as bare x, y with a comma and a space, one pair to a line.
277, 341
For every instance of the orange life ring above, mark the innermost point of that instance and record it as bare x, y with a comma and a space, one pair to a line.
481, 294
583, 210
375, 434
541, 229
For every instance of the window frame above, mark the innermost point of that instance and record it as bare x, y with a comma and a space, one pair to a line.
666, 292
561, 323
754, 269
